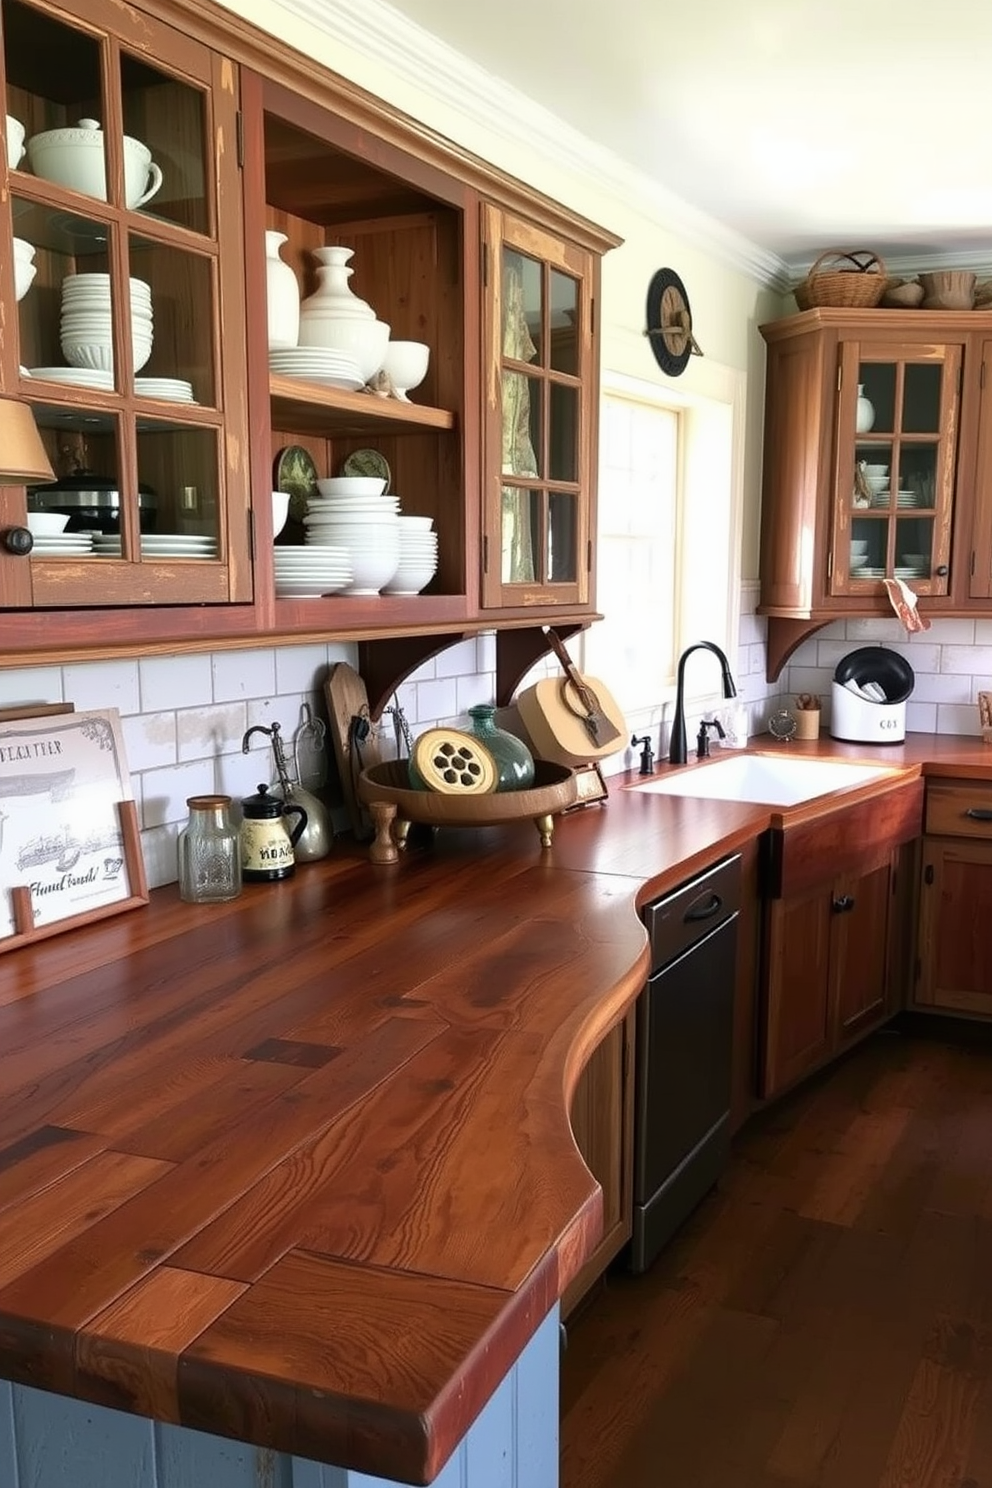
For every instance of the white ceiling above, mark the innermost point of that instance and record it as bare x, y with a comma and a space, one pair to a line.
800, 124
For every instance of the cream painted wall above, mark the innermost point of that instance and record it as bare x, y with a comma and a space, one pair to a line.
727, 305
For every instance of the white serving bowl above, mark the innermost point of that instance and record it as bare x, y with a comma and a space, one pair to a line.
365, 340
859, 545
372, 570
351, 485
859, 560
872, 468
47, 524
24, 268
99, 355
416, 524
75, 158
15, 142
280, 511
410, 578
877, 483
406, 364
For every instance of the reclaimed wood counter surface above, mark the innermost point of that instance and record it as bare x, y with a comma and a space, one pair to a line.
297, 1169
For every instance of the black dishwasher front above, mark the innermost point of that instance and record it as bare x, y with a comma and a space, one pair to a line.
685, 1021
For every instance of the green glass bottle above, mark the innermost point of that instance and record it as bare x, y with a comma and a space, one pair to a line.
513, 759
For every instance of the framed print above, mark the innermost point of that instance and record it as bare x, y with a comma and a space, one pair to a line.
69, 845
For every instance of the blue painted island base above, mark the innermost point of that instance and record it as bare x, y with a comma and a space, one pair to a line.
51, 1441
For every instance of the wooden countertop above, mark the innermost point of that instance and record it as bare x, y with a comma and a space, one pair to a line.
298, 1169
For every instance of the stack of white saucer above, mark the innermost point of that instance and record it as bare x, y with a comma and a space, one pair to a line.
352, 512
304, 573
418, 556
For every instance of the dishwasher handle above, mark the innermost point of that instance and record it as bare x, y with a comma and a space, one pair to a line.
697, 913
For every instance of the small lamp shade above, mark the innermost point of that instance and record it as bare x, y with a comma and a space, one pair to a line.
22, 454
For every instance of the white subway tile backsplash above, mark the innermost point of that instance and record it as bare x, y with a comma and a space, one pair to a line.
300, 668
457, 661
921, 718
975, 660
175, 682
243, 674
158, 847
206, 733
871, 629
949, 633
472, 690
941, 687
164, 792
436, 701
149, 741
21, 686
954, 718
107, 684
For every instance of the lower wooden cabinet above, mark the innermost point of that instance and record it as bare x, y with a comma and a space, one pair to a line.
954, 964
603, 1123
838, 910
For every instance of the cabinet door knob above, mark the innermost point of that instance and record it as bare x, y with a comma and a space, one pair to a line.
979, 813
17, 540
941, 570
844, 904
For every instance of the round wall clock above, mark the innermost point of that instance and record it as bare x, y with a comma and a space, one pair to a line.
670, 323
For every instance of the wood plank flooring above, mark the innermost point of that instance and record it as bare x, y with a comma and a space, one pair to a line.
824, 1320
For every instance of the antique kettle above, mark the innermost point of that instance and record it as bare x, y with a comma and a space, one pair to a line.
318, 835
267, 842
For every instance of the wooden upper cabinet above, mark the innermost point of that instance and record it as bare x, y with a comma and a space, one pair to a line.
540, 401
874, 423
128, 341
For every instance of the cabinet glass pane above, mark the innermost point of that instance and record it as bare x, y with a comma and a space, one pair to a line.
872, 474
921, 398
177, 467
914, 547
867, 557
917, 475
179, 366
83, 446
521, 424
562, 558
563, 433
53, 81
65, 316
564, 323
522, 307
165, 145
521, 527
878, 383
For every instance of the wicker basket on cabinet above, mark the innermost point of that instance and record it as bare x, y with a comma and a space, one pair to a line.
853, 280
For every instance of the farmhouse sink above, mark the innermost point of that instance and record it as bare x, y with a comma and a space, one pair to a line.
766, 779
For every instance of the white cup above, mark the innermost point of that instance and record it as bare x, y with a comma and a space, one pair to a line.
15, 142
74, 157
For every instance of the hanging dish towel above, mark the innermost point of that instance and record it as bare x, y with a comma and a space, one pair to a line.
903, 601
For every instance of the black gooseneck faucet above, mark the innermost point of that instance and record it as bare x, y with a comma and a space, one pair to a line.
677, 750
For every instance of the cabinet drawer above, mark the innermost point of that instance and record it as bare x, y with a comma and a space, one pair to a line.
960, 808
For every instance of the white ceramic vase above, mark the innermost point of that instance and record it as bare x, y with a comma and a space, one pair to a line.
864, 416
282, 295
333, 296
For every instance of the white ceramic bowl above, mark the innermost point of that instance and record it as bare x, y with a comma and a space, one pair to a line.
916, 560
47, 524
24, 268
410, 578
99, 355
15, 142
859, 560
859, 545
406, 363
372, 570
416, 524
351, 485
280, 511
365, 340
877, 482
75, 158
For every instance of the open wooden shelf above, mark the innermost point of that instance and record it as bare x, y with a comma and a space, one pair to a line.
335, 413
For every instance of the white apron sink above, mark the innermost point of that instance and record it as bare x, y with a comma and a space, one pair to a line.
765, 779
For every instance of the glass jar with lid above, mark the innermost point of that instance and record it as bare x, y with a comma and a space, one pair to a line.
209, 852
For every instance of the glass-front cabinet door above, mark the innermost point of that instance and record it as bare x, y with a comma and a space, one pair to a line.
895, 474
124, 220
540, 400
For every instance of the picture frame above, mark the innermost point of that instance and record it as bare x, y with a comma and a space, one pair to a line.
70, 850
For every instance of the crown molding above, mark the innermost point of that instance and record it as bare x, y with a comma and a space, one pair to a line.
376, 31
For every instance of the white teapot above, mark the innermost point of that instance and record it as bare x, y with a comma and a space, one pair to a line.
75, 158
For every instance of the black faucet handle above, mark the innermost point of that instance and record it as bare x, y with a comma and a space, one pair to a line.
647, 753
703, 737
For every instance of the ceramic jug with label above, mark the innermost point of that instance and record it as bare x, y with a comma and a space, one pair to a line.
266, 840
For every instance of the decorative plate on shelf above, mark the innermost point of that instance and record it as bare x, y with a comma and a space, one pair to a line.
296, 473
368, 462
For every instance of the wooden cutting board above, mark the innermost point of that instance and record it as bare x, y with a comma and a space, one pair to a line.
354, 740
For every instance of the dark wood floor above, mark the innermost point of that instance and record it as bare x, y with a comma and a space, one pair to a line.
825, 1318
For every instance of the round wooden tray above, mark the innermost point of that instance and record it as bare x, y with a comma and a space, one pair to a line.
553, 789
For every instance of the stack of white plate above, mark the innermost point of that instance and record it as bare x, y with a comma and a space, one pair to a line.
87, 321
366, 525
908, 498
304, 573
174, 389
62, 544
317, 364
418, 556
161, 545
77, 376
